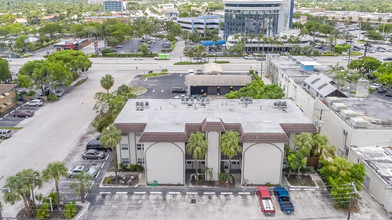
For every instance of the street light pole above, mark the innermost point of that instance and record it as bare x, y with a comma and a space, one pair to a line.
366, 46
349, 53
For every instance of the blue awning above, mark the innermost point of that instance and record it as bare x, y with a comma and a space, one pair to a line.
220, 42
206, 42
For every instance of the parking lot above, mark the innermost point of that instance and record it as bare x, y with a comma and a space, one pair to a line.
9, 120
160, 87
178, 205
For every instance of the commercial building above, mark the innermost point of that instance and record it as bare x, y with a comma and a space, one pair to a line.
155, 134
200, 23
254, 17
215, 84
114, 5
71, 44
378, 164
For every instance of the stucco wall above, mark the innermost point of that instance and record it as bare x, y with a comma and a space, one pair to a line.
262, 163
302, 99
213, 155
165, 163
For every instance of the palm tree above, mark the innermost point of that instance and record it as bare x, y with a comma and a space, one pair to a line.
339, 72
197, 146
82, 182
21, 187
107, 82
229, 145
54, 171
110, 138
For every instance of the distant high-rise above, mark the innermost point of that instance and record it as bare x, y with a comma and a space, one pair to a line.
254, 17
114, 5
97, 2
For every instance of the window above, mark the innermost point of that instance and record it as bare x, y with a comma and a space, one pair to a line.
124, 146
125, 160
189, 162
140, 161
140, 146
203, 162
235, 162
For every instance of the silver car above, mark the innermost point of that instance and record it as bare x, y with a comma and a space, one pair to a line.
35, 102
79, 169
93, 154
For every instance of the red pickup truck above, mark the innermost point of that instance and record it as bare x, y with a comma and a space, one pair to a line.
265, 200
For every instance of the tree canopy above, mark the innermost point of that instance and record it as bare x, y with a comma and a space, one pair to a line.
4, 70
365, 65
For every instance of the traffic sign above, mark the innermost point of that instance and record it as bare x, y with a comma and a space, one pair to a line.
96, 44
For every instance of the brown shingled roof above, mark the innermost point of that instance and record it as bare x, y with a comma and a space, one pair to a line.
192, 127
212, 126
131, 127
265, 138
298, 127
7, 87
163, 137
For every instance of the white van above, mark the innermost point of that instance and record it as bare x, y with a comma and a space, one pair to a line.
191, 72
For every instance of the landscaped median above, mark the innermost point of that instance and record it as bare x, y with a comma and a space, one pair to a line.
188, 63
149, 75
222, 61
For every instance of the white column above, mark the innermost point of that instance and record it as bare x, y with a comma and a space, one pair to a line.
213, 155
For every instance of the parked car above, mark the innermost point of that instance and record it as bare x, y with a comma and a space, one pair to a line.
23, 113
5, 133
79, 169
249, 57
95, 144
284, 199
387, 59
93, 154
388, 93
59, 92
35, 102
375, 85
119, 46
178, 90
381, 89
267, 206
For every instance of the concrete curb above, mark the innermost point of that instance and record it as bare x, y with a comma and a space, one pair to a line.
85, 205
116, 186
291, 187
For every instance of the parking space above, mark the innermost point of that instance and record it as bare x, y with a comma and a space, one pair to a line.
175, 205
8, 120
160, 87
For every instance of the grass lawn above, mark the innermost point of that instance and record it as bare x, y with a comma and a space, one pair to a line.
12, 128
154, 75
138, 90
222, 61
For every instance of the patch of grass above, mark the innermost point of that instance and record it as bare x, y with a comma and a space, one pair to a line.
154, 75
80, 82
12, 128
356, 53
188, 63
222, 61
138, 90
361, 41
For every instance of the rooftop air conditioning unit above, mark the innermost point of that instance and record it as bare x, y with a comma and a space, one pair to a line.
358, 122
331, 100
347, 113
339, 106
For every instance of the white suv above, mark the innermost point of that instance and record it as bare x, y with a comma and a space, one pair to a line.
5, 133
35, 102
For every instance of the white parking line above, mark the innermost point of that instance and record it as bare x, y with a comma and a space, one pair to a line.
6, 115
145, 80
122, 193
102, 165
139, 193
155, 192
12, 111
191, 193
226, 193
107, 157
295, 189
209, 193
243, 193
162, 90
309, 189
98, 173
105, 193
153, 90
174, 193
18, 108
92, 184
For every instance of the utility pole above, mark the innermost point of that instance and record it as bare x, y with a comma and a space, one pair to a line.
354, 192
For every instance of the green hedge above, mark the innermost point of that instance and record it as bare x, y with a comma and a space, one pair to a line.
188, 63
155, 74
222, 61
129, 55
172, 46
339, 48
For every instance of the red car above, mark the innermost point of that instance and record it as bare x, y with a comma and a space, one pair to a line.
23, 113
267, 206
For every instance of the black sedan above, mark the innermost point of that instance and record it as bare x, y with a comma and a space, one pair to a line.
178, 90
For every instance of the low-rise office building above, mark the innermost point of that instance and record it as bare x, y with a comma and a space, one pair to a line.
215, 84
155, 134
71, 44
7, 96
200, 23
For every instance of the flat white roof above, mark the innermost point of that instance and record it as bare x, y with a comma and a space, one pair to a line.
309, 63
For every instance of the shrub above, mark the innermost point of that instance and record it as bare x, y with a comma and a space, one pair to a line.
52, 195
108, 180
136, 168
70, 210
339, 48
123, 167
132, 167
106, 51
224, 177
222, 61
164, 70
139, 168
43, 211
52, 97
251, 72
31, 93
233, 95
